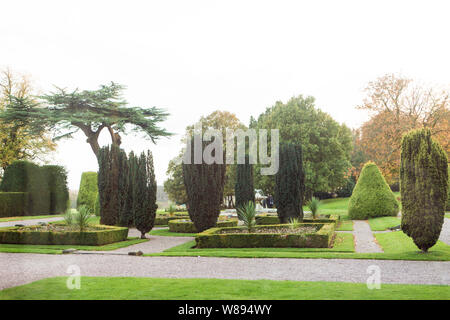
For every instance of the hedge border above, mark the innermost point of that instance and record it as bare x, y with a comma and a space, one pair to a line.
108, 234
266, 219
163, 219
183, 226
323, 238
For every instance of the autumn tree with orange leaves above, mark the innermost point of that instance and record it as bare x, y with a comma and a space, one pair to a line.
398, 105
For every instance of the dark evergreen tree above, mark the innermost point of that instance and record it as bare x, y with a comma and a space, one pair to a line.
144, 192
244, 190
289, 183
423, 186
124, 193
204, 188
57, 183
108, 185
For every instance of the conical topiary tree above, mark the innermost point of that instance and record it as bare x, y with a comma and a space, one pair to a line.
448, 191
372, 196
204, 189
423, 187
289, 183
244, 190
88, 190
124, 193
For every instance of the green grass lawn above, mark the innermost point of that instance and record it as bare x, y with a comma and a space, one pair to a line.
101, 288
7, 219
57, 249
346, 225
383, 223
396, 246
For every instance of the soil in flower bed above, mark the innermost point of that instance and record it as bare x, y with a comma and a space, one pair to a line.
57, 228
280, 230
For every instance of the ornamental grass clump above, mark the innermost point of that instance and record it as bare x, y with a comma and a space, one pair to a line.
314, 205
81, 219
294, 223
247, 213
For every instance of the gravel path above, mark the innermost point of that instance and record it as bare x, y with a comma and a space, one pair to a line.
364, 239
445, 232
17, 269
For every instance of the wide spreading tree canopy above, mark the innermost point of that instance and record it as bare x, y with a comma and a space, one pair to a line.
65, 113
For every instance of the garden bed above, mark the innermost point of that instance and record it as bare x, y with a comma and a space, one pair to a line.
163, 219
60, 234
187, 226
309, 235
266, 219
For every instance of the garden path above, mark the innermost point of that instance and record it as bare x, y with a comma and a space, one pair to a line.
364, 239
29, 222
18, 268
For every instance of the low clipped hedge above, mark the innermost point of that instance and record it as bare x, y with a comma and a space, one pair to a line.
323, 238
106, 235
272, 219
163, 219
187, 226
13, 204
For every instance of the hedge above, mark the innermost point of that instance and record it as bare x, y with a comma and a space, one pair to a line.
108, 234
25, 176
88, 191
56, 177
163, 219
372, 196
187, 226
13, 204
321, 239
272, 219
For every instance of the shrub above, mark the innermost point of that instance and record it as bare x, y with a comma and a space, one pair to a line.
423, 185
25, 176
204, 188
81, 218
372, 196
247, 214
13, 204
125, 193
186, 226
448, 191
289, 183
56, 177
244, 190
88, 190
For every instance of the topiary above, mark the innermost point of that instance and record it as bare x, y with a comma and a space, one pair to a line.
25, 176
372, 196
88, 190
56, 177
423, 186
108, 180
290, 183
204, 188
448, 191
244, 190
125, 192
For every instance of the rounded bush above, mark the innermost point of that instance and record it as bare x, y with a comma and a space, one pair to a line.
372, 196
87, 194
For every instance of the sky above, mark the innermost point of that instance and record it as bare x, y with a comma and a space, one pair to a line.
194, 57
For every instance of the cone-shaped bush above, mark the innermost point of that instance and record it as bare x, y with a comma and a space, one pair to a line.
87, 193
108, 188
372, 196
204, 189
423, 187
125, 193
244, 190
448, 191
289, 183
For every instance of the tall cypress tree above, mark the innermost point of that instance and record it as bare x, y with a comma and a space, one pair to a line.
204, 188
144, 192
108, 185
423, 186
124, 192
289, 183
244, 190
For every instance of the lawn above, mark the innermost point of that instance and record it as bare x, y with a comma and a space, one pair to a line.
396, 246
345, 225
57, 249
121, 288
383, 223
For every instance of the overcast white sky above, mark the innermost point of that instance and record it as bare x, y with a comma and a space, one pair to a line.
194, 57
